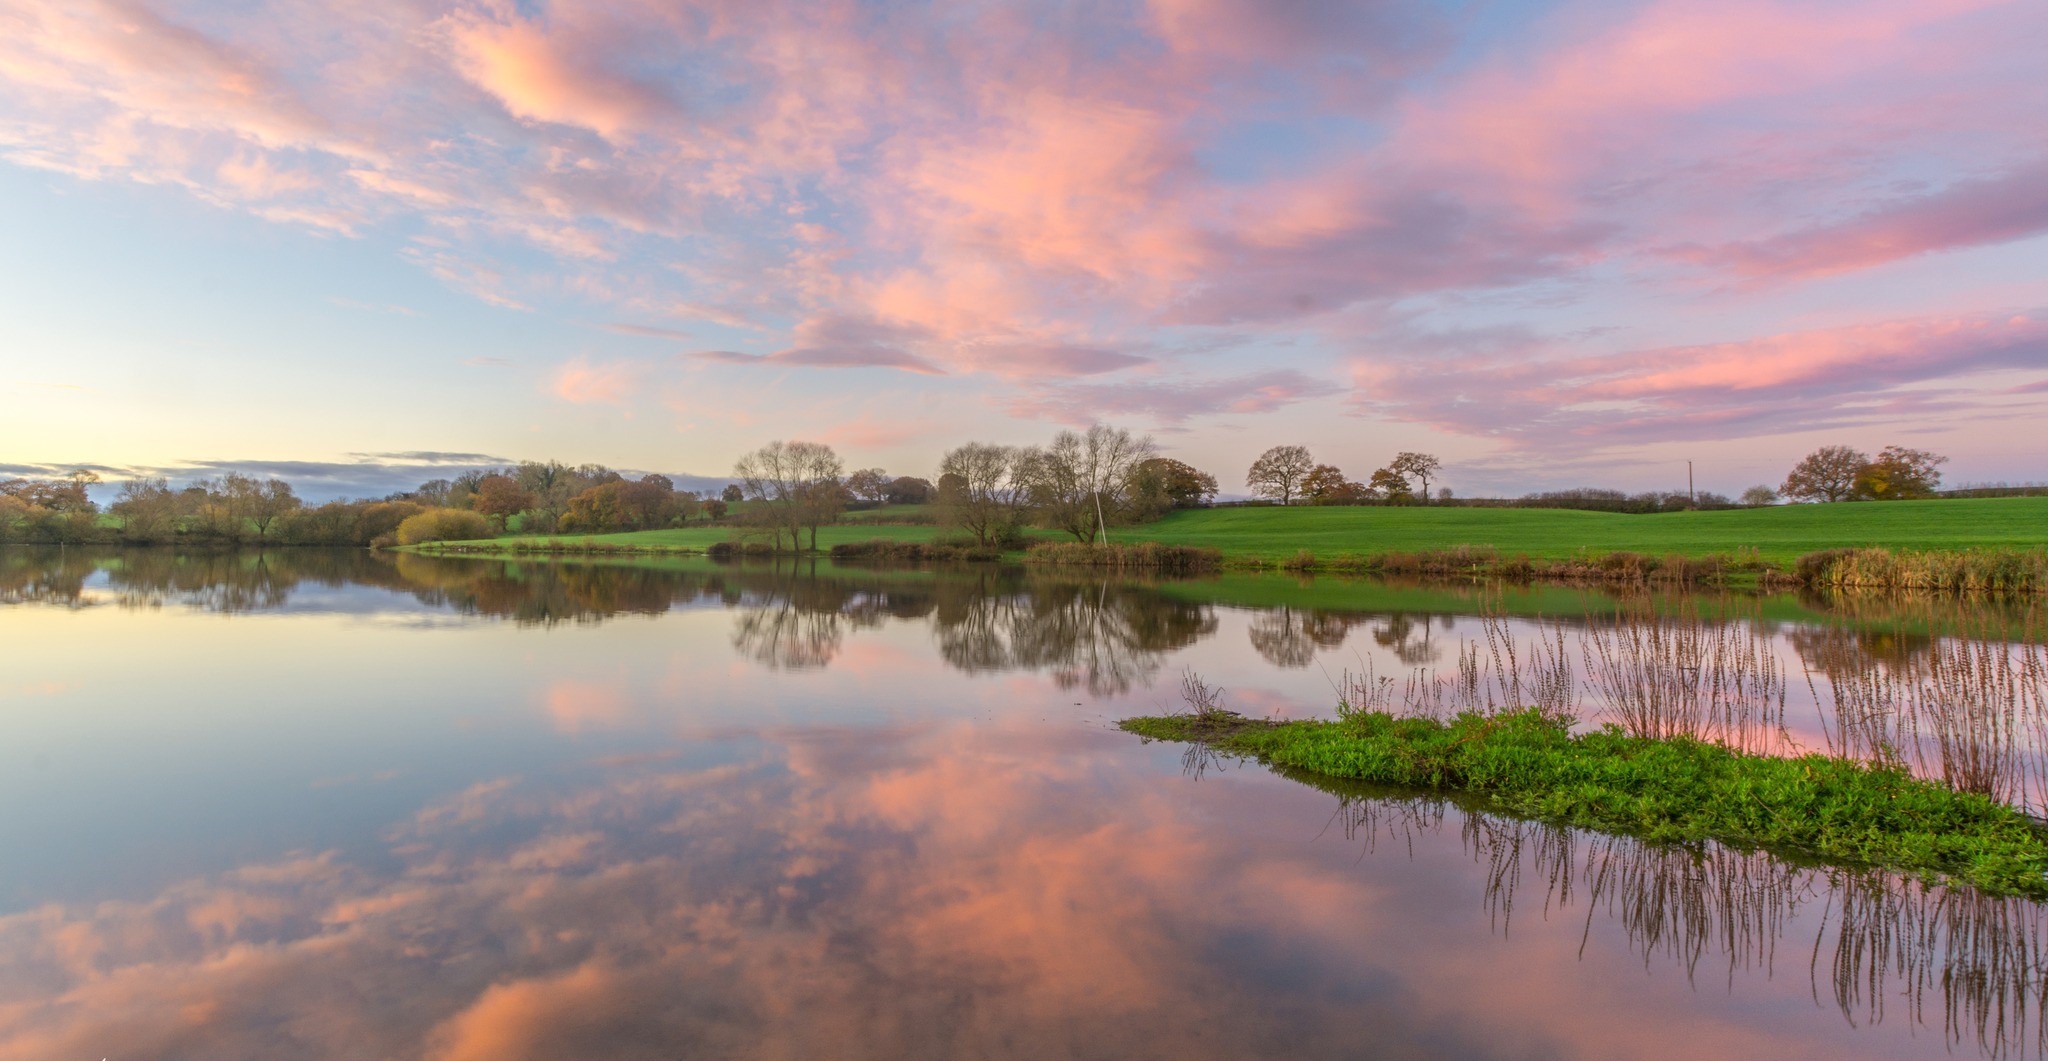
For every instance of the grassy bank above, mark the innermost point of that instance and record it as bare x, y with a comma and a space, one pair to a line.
1998, 544
1661, 790
1777, 536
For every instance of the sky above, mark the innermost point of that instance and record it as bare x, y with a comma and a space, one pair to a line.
1554, 243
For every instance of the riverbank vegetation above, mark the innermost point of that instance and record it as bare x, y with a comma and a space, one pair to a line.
1675, 790
1106, 491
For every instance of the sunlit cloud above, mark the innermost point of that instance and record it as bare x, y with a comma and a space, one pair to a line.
1001, 201
584, 382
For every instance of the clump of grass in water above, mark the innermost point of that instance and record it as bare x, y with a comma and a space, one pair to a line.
1494, 675
1664, 790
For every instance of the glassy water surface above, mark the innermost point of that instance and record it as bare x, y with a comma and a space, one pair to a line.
339, 805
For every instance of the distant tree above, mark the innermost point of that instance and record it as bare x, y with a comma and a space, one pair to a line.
621, 505
433, 492
1827, 474
499, 498
983, 489
732, 493
1325, 485
273, 503
148, 509
1161, 484
1443, 494
1759, 495
715, 508
1278, 473
67, 494
797, 486
868, 484
1900, 474
1083, 477
1391, 486
1417, 468
908, 490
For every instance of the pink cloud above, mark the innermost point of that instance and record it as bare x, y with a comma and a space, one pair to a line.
1965, 214
606, 383
542, 76
1168, 401
1536, 396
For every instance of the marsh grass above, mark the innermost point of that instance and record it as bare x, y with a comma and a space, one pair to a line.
1665, 790
1496, 672
1708, 678
1147, 556
1993, 571
1969, 707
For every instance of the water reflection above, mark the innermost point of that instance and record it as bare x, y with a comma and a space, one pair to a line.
559, 821
1876, 946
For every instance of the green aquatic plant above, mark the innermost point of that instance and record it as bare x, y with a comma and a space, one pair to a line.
1672, 790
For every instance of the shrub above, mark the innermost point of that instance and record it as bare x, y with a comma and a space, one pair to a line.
443, 525
1149, 556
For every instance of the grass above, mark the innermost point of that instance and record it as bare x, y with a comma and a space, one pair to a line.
697, 539
1778, 535
1675, 790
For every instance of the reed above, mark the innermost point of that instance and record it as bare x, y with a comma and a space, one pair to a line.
1146, 556
1709, 679
1961, 571
1969, 707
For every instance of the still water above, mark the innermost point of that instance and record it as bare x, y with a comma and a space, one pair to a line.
339, 805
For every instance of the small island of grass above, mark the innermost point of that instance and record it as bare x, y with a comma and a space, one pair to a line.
1664, 790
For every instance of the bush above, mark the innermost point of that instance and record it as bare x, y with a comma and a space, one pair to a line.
1148, 556
443, 525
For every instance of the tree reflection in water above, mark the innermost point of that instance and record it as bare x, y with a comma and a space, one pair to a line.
1877, 946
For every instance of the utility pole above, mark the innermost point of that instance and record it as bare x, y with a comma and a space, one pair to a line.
1690, 493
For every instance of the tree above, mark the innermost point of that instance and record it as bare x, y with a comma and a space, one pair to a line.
148, 509
869, 484
1392, 486
715, 508
908, 490
499, 498
796, 485
1325, 485
1082, 477
1161, 484
732, 493
1278, 472
272, 504
1759, 496
1900, 474
1417, 467
982, 491
1827, 474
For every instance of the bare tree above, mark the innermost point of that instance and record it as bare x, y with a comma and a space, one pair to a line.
984, 489
795, 486
1416, 466
1759, 495
1082, 477
1827, 474
1279, 473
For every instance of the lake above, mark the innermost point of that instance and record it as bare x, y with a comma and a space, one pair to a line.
348, 805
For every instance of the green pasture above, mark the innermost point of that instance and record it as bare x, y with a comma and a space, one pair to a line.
1779, 534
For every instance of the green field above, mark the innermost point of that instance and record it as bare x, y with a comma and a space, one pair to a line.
1779, 534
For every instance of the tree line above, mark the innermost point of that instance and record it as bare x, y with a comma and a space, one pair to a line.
1081, 483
